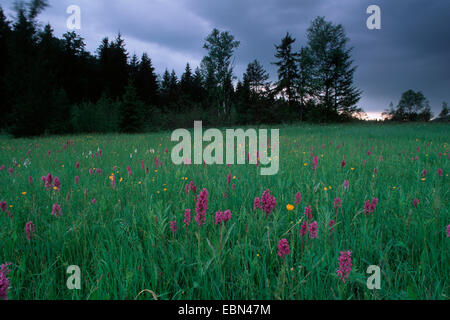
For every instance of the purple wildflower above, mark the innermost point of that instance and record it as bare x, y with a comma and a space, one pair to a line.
57, 183
187, 217
315, 162
304, 228
268, 202
173, 226
345, 265
331, 226
56, 210
29, 230
257, 203
346, 184
201, 207
337, 203
308, 212
298, 198
283, 248
4, 280
312, 228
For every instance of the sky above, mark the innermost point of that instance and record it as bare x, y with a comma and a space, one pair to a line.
410, 51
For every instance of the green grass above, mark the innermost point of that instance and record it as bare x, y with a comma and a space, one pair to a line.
123, 243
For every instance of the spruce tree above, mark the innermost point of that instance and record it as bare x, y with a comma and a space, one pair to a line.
146, 81
287, 69
131, 110
333, 70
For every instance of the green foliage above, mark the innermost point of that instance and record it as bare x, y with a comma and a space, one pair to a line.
287, 68
332, 70
123, 243
217, 65
413, 106
101, 117
132, 110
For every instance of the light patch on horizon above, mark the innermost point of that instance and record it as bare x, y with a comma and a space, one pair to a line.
374, 116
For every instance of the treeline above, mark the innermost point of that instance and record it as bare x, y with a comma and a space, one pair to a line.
412, 107
53, 85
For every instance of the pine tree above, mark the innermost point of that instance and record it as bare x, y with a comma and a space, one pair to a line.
198, 90
257, 77
287, 69
131, 110
444, 111
113, 59
186, 83
333, 70
146, 81
133, 67
5, 33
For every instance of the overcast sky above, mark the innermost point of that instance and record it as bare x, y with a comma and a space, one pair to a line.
411, 51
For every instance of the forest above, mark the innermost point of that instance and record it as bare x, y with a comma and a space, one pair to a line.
51, 85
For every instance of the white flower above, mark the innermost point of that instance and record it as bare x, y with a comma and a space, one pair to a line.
27, 163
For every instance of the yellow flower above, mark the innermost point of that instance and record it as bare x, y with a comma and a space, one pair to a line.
423, 179
24, 193
305, 164
290, 207
258, 255
121, 179
55, 188
165, 189
329, 187
156, 171
352, 169
325, 189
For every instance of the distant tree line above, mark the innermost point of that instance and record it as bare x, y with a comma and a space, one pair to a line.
53, 85
413, 106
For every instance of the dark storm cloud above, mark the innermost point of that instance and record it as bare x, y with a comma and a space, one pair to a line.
411, 51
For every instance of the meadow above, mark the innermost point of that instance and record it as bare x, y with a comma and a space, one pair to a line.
111, 203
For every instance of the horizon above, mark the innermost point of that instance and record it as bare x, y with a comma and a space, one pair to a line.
173, 44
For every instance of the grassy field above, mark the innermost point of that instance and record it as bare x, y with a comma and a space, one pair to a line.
123, 243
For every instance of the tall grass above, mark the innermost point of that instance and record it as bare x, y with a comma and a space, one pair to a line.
123, 243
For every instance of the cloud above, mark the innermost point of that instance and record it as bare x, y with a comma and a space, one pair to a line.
409, 52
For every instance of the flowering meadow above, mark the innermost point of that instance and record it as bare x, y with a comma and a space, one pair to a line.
346, 197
